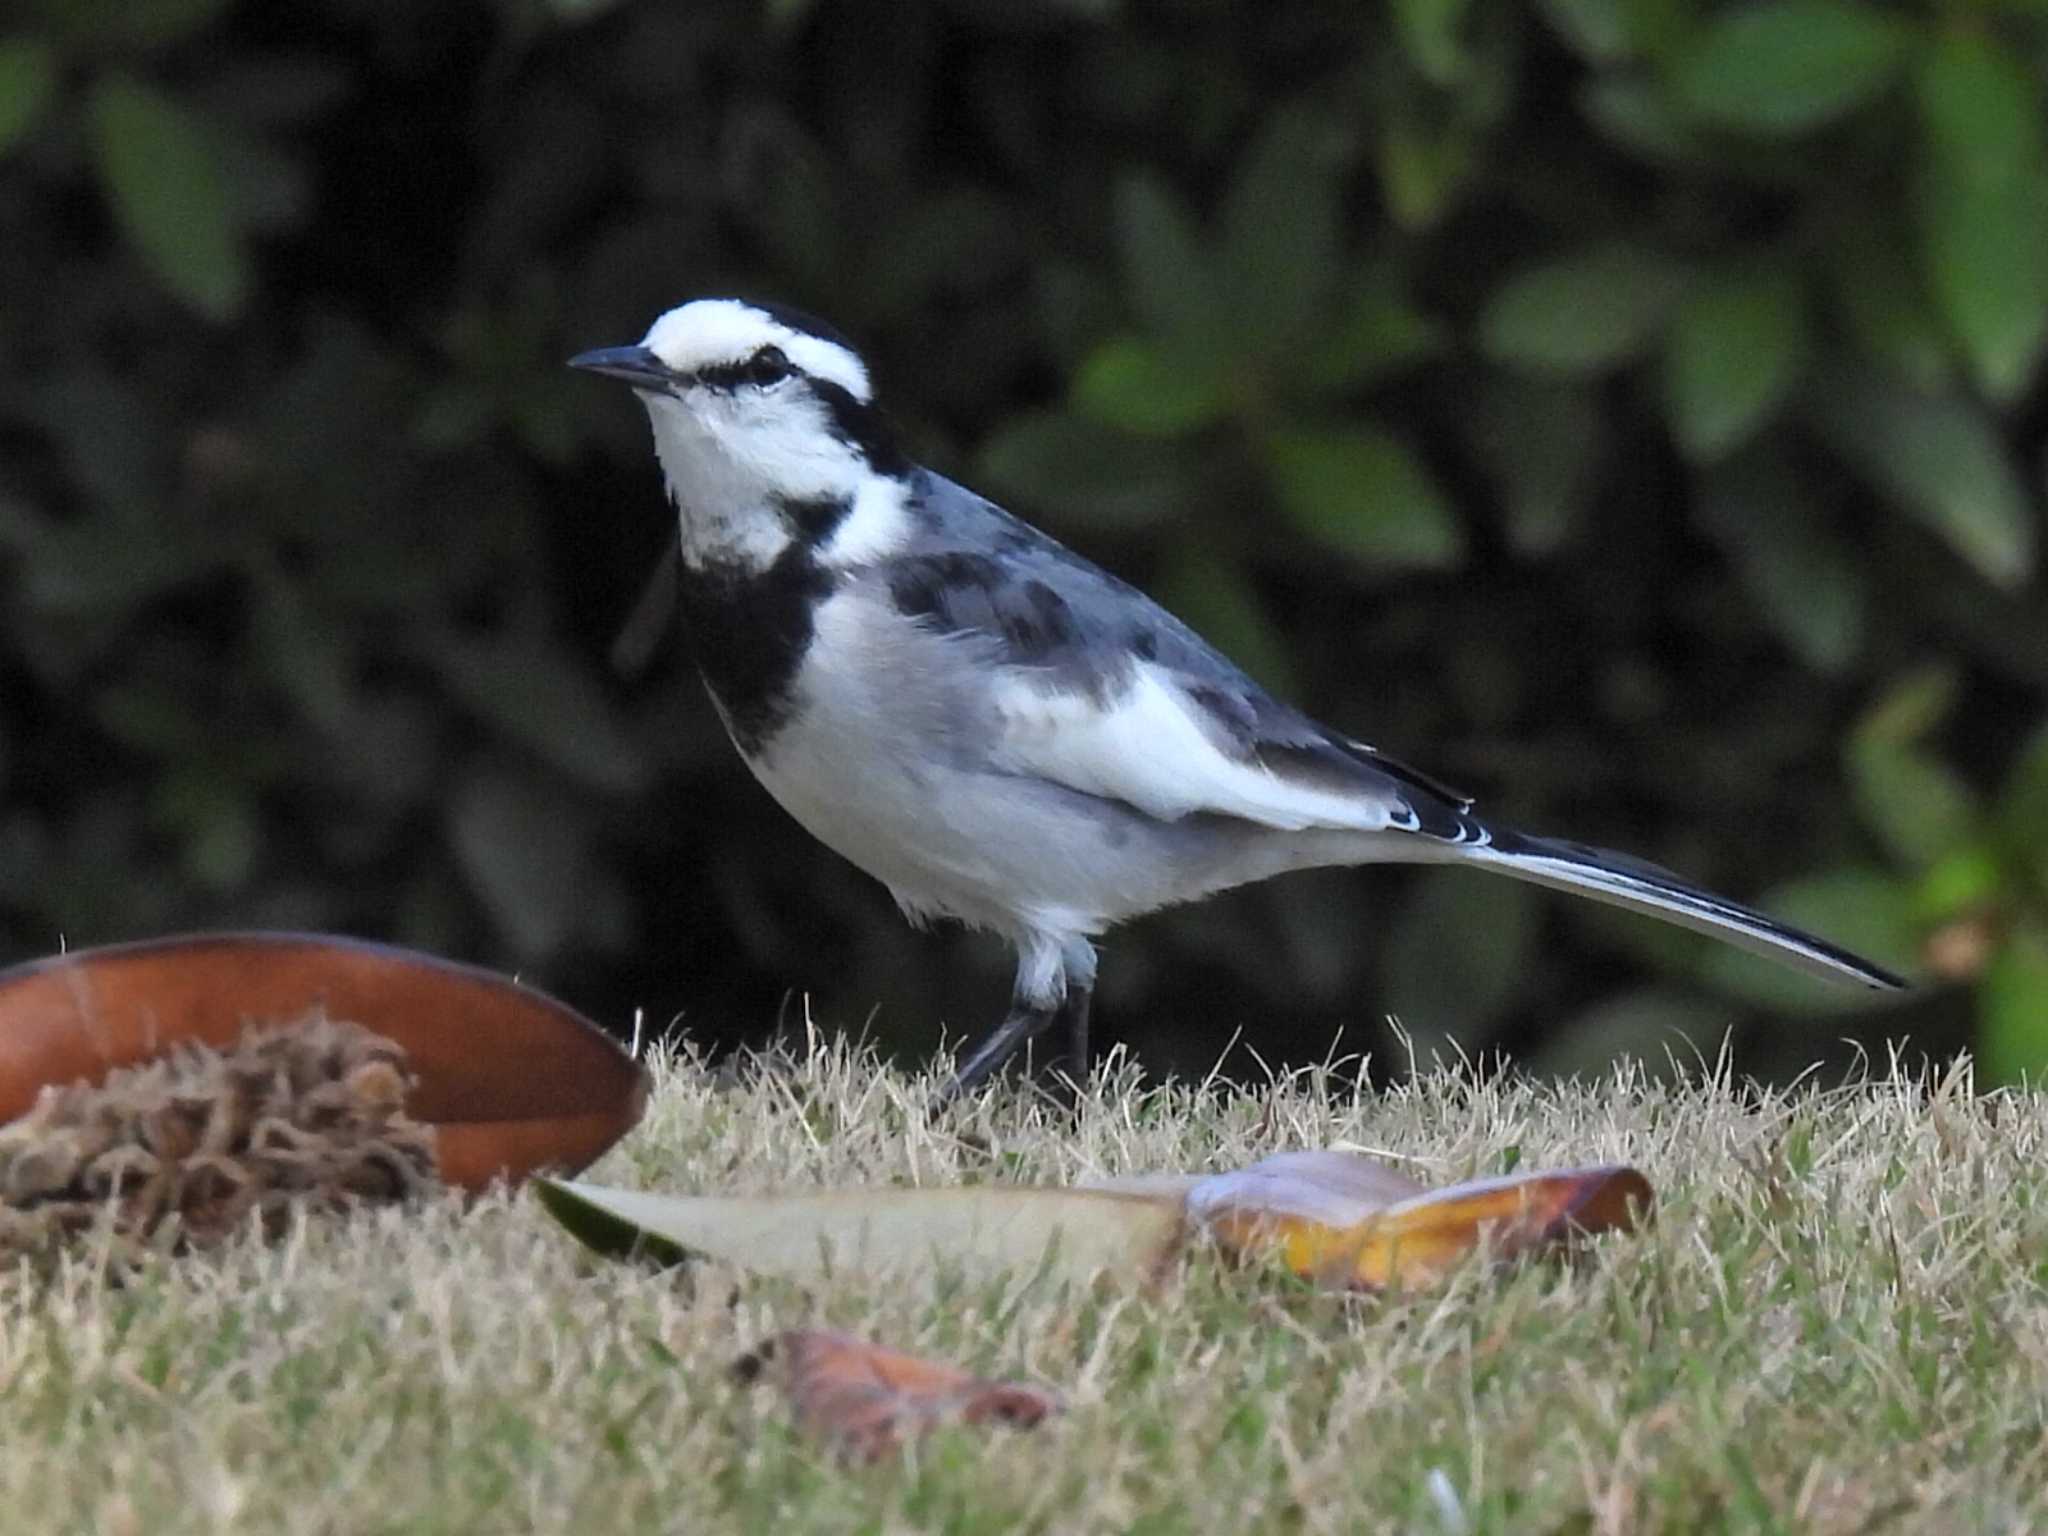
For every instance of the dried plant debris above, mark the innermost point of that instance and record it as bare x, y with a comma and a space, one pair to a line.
177, 1153
867, 1402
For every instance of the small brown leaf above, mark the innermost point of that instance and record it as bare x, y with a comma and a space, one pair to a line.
510, 1079
1340, 1220
867, 1402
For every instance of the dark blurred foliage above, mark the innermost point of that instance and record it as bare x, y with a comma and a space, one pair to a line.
1629, 409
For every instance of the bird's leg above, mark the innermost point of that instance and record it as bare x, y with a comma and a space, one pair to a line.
1055, 979
1024, 1023
1077, 964
1075, 1010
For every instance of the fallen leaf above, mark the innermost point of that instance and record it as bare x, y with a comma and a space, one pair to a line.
510, 1079
1334, 1218
1068, 1233
867, 1402
1346, 1222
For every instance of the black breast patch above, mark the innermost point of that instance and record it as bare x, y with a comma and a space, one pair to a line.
814, 517
748, 631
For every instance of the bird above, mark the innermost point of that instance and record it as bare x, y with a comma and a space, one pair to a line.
1000, 731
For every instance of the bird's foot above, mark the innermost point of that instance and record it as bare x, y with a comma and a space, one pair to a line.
1024, 1023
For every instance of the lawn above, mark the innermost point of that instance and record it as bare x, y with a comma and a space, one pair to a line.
1837, 1323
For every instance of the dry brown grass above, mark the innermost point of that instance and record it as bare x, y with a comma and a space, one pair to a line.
1838, 1324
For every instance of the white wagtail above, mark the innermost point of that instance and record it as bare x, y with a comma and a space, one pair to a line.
996, 729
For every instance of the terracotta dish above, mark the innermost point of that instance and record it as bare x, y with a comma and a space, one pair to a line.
511, 1080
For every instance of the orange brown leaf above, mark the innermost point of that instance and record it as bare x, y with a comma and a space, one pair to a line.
867, 1402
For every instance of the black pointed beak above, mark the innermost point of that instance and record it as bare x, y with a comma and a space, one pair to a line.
634, 365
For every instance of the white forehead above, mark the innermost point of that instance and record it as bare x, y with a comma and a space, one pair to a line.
710, 331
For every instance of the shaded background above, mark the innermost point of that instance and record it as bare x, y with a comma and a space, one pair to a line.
1629, 410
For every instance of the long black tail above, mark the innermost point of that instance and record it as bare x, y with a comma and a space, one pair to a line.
1622, 881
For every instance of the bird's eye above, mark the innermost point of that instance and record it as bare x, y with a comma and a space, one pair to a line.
768, 366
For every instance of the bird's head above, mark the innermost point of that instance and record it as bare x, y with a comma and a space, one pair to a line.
755, 408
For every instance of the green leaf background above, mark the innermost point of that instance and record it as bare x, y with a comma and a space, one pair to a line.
1631, 412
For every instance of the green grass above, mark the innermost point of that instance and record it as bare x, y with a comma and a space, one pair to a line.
1839, 1323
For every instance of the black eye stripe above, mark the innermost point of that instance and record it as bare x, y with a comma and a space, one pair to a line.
768, 365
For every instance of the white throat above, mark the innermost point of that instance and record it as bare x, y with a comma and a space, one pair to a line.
732, 469
728, 470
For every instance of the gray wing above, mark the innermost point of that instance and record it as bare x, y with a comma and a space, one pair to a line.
1097, 687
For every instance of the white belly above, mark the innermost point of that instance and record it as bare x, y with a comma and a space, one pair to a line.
880, 763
